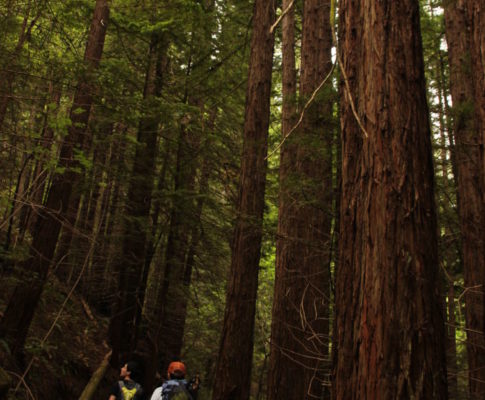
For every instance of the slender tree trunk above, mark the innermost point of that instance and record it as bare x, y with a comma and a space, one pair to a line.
173, 294
92, 283
451, 345
107, 252
390, 336
8, 74
180, 279
233, 368
281, 371
475, 273
469, 154
40, 173
20, 310
300, 329
63, 261
123, 329
19, 193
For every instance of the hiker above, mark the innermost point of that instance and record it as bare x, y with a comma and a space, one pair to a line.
127, 388
176, 387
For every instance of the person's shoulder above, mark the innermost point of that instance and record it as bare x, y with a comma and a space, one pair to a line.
157, 393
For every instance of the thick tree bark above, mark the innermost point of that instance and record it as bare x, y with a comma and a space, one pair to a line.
123, 327
233, 368
390, 336
466, 81
300, 329
20, 310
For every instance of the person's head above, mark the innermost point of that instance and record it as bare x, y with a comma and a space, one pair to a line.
176, 370
129, 370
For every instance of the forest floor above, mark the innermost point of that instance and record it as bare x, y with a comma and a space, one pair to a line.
66, 343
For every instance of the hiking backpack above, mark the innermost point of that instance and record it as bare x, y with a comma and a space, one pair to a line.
175, 390
128, 394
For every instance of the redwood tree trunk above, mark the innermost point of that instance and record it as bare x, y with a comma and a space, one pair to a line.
475, 273
390, 336
469, 114
281, 371
20, 310
233, 368
300, 329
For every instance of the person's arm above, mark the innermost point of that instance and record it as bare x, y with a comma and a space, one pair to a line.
157, 394
193, 387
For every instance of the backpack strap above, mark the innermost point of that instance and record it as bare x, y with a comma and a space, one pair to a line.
121, 384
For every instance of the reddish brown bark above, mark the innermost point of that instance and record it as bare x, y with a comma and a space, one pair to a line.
20, 310
390, 336
300, 328
466, 81
281, 370
233, 368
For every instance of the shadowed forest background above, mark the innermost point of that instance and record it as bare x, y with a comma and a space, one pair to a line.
288, 195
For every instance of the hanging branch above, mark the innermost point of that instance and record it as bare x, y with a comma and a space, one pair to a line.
308, 103
344, 75
273, 27
342, 69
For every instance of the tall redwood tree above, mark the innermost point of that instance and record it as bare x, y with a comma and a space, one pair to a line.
233, 368
390, 337
464, 35
300, 326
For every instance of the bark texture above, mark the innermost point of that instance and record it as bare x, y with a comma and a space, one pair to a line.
300, 329
281, 370
233, 368
22, 304
390, 336
465, 52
